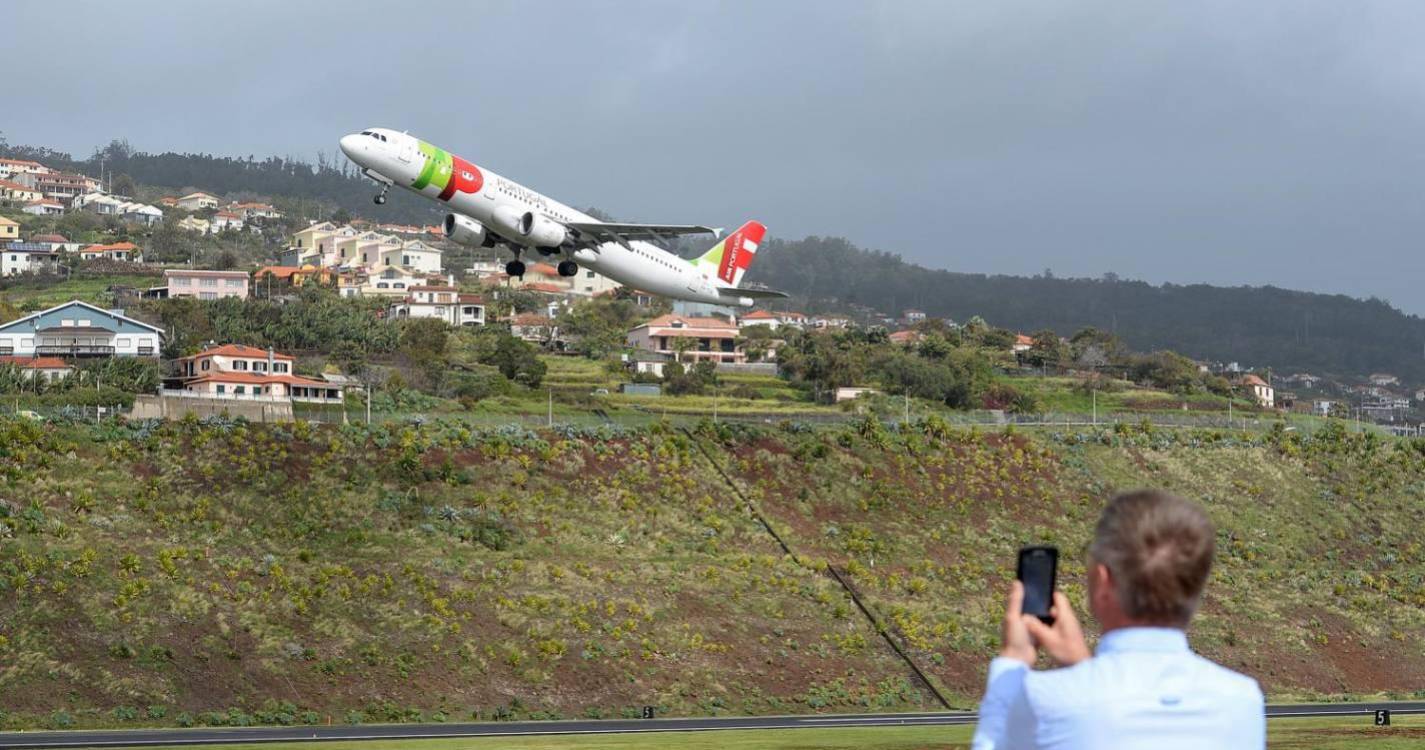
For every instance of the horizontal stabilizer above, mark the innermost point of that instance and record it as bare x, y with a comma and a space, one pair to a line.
734, 292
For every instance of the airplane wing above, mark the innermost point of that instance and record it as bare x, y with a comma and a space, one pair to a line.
624, 233
735, 292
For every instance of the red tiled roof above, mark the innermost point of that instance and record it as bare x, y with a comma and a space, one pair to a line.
8, 185
1021, 339
36, 363
281, 272
902, 337
1253, 380
530, 319
666, 321
471, 299
239, 350
48, 238
547, 288
116, 247
226, 215
760, 315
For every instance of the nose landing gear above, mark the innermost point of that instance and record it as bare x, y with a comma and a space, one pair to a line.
380, 198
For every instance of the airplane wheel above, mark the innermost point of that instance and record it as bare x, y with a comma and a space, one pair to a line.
515, 268
568, 268
380, 199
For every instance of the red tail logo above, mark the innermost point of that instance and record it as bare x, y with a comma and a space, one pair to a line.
738, 249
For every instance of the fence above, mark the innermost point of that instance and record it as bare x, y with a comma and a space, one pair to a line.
76, 413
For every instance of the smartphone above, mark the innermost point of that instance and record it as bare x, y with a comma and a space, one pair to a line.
1037, 568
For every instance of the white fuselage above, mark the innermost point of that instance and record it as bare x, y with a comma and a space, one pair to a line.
400, 159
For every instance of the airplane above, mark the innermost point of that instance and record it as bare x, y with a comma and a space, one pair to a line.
489, 210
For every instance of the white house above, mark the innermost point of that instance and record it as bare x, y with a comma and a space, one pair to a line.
1259, 390
123, 251
44, 207
45, 368
28, 257
56, 242
226, 220
195, 224
247, 372
761, 318
79, 329
197, 201
442, 302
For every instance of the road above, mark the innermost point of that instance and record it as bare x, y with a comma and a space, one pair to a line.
226, 735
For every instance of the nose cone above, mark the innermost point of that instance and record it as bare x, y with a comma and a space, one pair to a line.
351, 146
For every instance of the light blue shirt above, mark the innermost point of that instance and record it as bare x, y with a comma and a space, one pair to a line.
1144, 688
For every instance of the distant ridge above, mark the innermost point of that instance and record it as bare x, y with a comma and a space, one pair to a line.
1326, 334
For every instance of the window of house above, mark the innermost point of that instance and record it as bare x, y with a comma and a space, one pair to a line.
239, 364
259, 366
222, 388
240, 390
279, 367
204, 366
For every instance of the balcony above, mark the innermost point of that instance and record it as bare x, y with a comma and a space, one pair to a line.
74, 350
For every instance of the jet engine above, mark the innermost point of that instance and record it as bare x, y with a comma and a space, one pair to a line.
542, 231
467, 231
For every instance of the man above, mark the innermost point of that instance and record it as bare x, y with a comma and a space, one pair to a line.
1144, 688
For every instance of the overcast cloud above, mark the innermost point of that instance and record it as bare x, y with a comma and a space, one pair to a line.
1223, 142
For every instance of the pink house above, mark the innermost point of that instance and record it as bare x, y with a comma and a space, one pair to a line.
247, 372
184, 282
706, 338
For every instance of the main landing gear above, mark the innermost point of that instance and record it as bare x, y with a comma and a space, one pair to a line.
568, 268
515, 268
380, 198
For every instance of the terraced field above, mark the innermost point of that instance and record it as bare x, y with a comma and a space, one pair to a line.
230, 574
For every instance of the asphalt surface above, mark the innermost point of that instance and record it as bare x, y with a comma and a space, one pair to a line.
231, 735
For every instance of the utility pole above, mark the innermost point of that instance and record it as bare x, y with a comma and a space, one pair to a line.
551, 407
906, 418
368, 404
1095, 405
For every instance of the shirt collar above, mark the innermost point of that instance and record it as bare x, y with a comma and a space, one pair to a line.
1142, 639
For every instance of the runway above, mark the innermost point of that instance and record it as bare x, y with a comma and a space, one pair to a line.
234, 735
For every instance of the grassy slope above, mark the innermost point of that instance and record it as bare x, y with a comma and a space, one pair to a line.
267, 571
87, 288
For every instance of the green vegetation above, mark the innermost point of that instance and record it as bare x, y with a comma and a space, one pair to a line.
227, 574
1320, 333
25, 295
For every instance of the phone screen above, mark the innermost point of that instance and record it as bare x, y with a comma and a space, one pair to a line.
1037, 567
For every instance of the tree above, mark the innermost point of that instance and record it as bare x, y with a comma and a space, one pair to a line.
756, 341
680, 345
518, 361
1047, 350
123, 184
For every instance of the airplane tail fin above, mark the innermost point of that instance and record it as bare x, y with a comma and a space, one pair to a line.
730, 258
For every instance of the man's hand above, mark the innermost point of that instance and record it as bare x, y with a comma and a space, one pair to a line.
1018, 643
1064, 640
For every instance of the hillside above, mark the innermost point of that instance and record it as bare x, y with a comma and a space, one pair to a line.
1259, 326
230, 573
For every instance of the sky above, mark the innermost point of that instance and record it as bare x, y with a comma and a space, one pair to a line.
1272, 142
